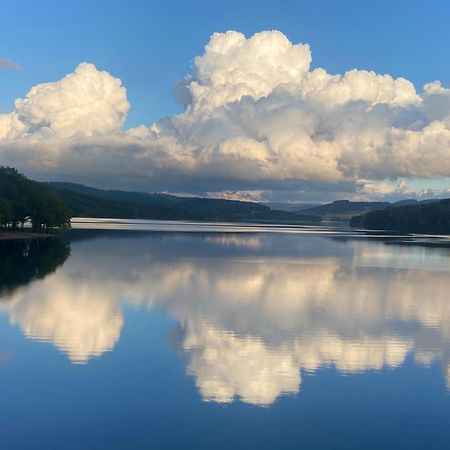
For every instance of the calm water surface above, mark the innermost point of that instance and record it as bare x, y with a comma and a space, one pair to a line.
150, 335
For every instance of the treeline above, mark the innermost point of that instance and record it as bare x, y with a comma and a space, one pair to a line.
83, 205
344, 210
428, 218
86, 201
50, 205
23, 200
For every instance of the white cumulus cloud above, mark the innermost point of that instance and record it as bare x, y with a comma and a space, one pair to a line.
257, 117
85, 102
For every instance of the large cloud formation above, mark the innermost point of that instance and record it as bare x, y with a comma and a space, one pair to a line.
257, 118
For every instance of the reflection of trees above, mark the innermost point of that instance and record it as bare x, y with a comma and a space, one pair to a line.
25, 260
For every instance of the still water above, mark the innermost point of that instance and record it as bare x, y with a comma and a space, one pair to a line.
150, 335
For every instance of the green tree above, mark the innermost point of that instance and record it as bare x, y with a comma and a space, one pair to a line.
45, 209
5, 211
22, 199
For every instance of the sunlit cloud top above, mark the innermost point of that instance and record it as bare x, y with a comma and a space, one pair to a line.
257, 118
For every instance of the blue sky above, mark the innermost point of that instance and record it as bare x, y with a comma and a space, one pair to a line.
149, 44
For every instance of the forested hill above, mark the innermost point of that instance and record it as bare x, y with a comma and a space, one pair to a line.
344, 209
49, 205
428, 218
23, 200
86, 201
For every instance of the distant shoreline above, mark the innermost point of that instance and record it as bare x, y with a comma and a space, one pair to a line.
6, 235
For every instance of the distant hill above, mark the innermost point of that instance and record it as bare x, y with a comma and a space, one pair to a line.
291, 207
344, 209
422, 217
85, 201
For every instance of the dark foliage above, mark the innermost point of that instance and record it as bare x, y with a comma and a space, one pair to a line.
85, 201
345, 209
49, 205
22, 199
428, 218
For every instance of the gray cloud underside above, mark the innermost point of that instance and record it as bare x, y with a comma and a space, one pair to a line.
257, 119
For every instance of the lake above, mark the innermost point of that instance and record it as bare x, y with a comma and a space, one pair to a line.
168, 335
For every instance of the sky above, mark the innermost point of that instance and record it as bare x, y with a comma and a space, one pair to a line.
283, 127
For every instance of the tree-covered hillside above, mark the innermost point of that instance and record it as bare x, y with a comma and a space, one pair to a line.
86, 201
344, 210
428, 218
49, 205
22, 199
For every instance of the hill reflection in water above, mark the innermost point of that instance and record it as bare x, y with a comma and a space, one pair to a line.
255, 311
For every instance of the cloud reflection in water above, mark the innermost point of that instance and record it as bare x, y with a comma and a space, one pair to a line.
252, 316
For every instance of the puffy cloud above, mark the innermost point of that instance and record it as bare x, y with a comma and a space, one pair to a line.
256, 118
86, 102
233, 67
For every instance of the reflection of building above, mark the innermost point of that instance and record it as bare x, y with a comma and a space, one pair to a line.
251, 321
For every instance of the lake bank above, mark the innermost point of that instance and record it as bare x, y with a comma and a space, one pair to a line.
14, 234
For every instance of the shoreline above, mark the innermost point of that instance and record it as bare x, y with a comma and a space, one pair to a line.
6, 235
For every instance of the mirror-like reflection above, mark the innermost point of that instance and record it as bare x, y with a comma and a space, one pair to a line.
25, 260
254, 311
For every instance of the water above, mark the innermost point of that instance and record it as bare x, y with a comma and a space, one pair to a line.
218, 336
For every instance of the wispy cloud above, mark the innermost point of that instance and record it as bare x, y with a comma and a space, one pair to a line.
9, 64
